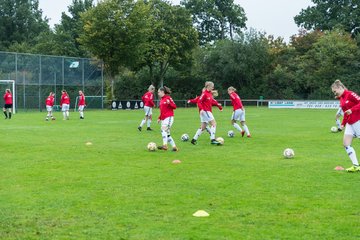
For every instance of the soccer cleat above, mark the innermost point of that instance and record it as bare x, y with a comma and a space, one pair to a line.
339, 129
175, 149
249, 136
163, 147
139, 128
46, 119
242, 133
193, 142
149, 129
214, 142
353, 169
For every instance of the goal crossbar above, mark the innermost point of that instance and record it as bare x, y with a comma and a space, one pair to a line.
12, 82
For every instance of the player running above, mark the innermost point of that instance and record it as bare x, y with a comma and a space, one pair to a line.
8, 103
166, 118
148, 100
239, 112
65, 104
205, 103
49, 106
81, 104
350, 104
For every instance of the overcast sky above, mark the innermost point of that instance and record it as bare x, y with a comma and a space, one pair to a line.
275, 17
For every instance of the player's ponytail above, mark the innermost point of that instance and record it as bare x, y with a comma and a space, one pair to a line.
165, 89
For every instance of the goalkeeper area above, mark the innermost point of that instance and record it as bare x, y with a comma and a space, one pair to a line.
35, 76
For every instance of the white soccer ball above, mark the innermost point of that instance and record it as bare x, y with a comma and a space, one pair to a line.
151, 146
333, 129
185, 137
289, 153
231, 133
220, 140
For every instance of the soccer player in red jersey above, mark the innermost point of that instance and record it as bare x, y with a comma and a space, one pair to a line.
8, 103
65, 104
49, 106
148, 100
350, 104
81, 104
166, 118
239, 112
205, 103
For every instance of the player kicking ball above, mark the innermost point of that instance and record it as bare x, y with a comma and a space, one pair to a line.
166, 118
350, 104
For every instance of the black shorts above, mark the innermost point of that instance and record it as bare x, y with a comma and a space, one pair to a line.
8, 106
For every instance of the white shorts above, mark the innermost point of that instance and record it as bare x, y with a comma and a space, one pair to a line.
238, 115
340, 112
206, 116
148, 111
167, 122
65, 107
49, 108
81, 108
353, 129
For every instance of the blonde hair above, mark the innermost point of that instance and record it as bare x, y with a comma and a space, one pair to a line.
338, 84
232, 89
208, 83
151, 87
215, 93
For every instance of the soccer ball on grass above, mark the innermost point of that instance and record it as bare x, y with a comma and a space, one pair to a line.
333, 129
231, 133
220, 140
288, 153
151, 146
185, 137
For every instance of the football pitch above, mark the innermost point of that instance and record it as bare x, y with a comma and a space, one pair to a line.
55, 186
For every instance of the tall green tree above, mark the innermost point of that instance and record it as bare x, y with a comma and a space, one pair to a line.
21, 22
330, 14
64, 39
116, 32
216, 19
171, 41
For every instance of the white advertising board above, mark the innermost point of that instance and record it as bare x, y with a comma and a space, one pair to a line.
304, 104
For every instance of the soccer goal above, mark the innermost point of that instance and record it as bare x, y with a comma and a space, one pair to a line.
91, 102
10, 84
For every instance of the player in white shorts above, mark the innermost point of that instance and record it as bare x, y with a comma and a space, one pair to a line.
148, 100
239, 112
350, 104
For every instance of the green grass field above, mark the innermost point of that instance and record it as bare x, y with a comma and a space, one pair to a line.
54, 186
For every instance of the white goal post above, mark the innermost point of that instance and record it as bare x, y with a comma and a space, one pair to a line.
12, 82
89, 101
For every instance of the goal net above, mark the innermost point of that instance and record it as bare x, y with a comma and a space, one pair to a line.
8, 84
96, 102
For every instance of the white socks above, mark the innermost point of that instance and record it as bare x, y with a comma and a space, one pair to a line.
237, 127
197, 134
352, 155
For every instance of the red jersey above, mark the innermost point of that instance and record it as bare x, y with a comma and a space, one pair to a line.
64, 99
8, 98
167, 107
350, 100
196, 101
236, 101
148, 99
206, 101
50, 101
81, 100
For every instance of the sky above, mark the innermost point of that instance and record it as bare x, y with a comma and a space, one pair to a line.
275, 17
